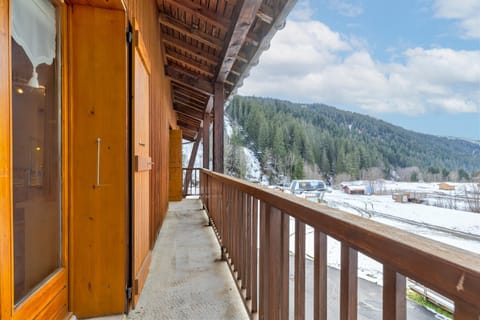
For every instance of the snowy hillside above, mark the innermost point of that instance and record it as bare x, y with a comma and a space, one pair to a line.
253, 172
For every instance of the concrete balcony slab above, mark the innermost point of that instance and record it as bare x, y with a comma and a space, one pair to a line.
187, 279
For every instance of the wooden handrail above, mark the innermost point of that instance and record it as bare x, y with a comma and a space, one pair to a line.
453, 272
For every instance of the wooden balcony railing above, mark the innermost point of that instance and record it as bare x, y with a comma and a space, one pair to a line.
191, 184
253, 223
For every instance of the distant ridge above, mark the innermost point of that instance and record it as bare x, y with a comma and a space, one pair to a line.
288, 135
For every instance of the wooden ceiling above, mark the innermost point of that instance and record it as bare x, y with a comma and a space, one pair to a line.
210, 41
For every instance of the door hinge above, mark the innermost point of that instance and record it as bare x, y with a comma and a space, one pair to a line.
129, 36
129, 293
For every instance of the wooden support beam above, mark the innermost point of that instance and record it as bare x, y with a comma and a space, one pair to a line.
191, 162
202, 12
204, 69
206, 140
194, 51
189, 31
209, 107
237, 37
184, 78
218, 147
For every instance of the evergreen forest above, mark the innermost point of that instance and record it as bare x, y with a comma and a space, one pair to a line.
299, 140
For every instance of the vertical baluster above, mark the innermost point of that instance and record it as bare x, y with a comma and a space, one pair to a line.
394, 295
248, 248
245, 242
264, 267
348, 283
320, 276
274, 271
225, 207
254, 256
242, 242
285, 263
299, 270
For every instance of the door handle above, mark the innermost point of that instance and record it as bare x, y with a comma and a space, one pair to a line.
99, 141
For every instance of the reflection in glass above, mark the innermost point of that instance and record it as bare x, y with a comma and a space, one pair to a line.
36, 144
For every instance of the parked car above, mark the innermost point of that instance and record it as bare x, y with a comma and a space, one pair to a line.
312, 190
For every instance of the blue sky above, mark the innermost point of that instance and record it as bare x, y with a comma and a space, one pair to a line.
415, 63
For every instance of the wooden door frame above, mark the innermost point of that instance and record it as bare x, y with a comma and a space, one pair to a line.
138, 47
6, 198
46, 299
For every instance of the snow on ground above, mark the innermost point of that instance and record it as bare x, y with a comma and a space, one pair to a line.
370, 269
448, 218
253, 165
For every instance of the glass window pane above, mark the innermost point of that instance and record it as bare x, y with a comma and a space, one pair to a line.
36, 144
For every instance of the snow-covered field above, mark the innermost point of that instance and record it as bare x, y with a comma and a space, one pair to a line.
424, 220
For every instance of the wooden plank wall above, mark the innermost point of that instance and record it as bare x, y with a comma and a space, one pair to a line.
6, 300
145, 13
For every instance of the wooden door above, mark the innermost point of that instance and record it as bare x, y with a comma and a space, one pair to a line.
99, 160
175, 166
141, 254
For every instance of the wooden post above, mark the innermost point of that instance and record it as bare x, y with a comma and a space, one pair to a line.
206, 140
218, 128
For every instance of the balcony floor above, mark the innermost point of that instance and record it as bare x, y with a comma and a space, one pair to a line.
187, 280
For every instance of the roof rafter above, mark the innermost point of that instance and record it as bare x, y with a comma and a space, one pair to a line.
193, 121
197, 114
199, 10
180, 92
237, 37
187, 125
279, 20
188, 31
184, 78
190, 63
194, 51
189, 105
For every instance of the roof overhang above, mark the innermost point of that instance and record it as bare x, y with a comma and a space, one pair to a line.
209, 42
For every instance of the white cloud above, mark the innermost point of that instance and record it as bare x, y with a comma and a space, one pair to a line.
309, 62
466, 12
345, 8
303, 11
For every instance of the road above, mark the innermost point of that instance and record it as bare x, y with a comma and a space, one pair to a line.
369, 297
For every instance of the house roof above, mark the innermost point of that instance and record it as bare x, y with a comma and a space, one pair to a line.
213, 41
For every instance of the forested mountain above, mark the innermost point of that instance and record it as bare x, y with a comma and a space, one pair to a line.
289, 137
